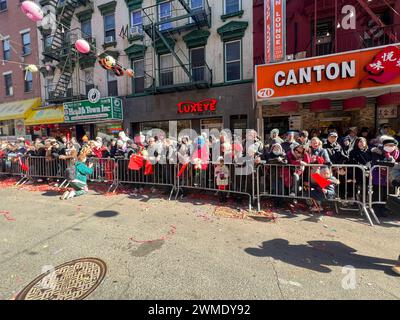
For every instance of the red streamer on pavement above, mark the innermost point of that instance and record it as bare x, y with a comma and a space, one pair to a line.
6, 215
170, 233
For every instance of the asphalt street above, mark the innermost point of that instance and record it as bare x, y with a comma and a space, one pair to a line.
160, 249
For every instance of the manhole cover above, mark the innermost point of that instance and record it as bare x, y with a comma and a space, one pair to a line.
73, 280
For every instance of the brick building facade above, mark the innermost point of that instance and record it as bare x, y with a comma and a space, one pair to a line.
18, 47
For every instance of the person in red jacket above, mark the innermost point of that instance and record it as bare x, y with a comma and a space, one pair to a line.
298, 157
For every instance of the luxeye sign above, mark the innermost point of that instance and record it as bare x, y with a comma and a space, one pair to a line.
104, 109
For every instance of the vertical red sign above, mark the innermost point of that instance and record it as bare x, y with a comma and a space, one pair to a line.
267, 36
278, 28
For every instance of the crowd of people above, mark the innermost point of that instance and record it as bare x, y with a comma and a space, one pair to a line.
296, 148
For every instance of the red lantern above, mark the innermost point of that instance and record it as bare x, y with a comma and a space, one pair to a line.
36, 128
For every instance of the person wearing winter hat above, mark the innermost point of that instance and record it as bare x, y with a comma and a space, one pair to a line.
386, 153
290, 139
273, 138
296, 156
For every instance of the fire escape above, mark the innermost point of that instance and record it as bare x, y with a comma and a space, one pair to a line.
62, 50
165, 23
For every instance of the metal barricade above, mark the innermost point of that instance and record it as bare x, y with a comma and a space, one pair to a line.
13, 165
205, 179
297, 182
160, 175
43, 168
382, 183
104, 171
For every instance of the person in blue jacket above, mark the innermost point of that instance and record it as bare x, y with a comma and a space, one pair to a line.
79, 184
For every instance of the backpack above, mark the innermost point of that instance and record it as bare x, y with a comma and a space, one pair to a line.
70, 173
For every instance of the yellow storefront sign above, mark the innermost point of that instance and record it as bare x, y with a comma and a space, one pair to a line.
50, 115
18, 109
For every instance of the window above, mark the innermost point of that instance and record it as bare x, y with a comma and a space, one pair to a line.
50, 87
6, 49
8, 84
3, 5
112, 83
196, 5
197, 59
109, 28
324, 39
28, 81
232, 6
165, 13
47, 42
233, 57
88, 80
136, 22
166, 71
138, 79
26, 43
86, 27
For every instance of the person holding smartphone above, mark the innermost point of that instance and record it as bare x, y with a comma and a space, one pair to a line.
79, 184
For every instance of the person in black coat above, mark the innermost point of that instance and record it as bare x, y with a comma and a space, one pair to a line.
335, 150
360, 155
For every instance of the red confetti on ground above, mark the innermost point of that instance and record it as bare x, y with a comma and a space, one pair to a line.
6, 215
8, 183
269, 214
170, 233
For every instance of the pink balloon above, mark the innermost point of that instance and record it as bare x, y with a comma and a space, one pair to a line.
82, 46
32, 11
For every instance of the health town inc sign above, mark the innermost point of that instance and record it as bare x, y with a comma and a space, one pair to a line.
105, 109
353, 71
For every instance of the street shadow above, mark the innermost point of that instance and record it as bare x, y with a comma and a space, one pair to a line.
319, 256
106, 214
51, 194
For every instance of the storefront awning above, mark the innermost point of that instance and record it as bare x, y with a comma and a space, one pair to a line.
320, 105
388, 99
354, 103
51, 115
18, 109
289, 106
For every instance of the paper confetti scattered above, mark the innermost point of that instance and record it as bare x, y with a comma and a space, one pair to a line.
6, 215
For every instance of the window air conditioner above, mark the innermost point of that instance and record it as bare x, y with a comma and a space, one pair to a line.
301, 55
135, 31
109, 39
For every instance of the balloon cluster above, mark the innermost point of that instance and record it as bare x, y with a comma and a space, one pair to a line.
35, 13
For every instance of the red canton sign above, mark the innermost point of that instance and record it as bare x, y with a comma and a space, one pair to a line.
197, 107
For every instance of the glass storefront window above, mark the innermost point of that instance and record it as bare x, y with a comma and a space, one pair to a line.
147, 127
7, 128
110, 130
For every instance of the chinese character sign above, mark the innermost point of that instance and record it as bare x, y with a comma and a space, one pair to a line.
385, 66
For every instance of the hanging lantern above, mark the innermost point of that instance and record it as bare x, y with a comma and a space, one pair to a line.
118, 70
130, 73
109, 61
104, 65
36, 128
32, 11
82, 46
